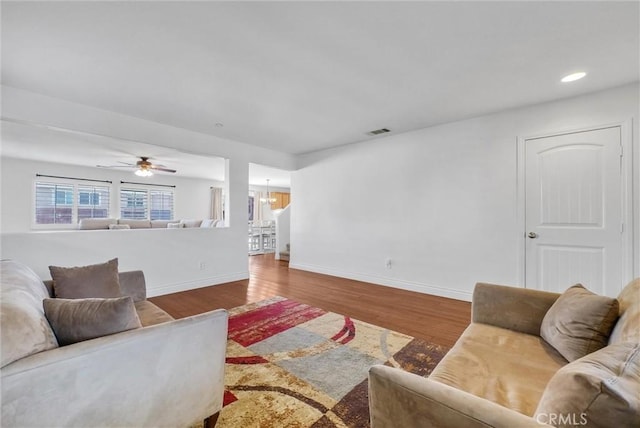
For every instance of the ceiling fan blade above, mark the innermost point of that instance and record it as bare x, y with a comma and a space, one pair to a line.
115, 166
126, 163
158, 168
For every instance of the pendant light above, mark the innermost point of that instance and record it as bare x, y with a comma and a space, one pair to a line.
268, 199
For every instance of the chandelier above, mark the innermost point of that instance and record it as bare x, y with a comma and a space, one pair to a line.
268, 199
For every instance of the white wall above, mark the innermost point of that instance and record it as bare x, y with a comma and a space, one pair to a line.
283, 230
271, 189
192, 197
439, 202
171, 260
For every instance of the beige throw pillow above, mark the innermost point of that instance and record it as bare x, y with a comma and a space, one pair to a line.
579, 322
601, 390
98, 281
24, 329
75, 320
191, 223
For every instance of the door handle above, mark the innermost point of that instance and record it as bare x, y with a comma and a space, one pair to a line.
532, 235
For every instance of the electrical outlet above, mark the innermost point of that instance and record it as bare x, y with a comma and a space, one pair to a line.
202, 265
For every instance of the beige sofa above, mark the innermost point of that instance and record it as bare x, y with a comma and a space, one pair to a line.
119, 224
169, 373
500, 369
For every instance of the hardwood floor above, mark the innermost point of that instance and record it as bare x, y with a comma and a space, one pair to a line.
432, 318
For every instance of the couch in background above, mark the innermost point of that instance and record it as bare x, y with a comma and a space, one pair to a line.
167, 373
502, 373
118, 224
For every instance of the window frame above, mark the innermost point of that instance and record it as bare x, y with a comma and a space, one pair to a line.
172, 211
114, 208
91, 196
148, 189
93, 190
75, 205
121, 206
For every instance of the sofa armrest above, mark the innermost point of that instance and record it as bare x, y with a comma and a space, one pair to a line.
401, 399
132, 284
167, 375
517, 309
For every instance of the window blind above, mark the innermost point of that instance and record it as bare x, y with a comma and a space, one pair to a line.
161, 204
133, 204
54, 203
93, 201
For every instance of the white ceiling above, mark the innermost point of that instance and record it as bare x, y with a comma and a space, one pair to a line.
26, 141
303, 76
48, 144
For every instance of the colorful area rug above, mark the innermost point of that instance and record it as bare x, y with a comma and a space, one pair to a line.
293, 365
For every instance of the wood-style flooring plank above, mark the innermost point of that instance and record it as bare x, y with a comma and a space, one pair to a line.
433, 318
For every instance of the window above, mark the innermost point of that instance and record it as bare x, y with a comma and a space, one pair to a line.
64, 196
141, 204
133, 204
161, 204
93, 202
54, 203
67, 203
88, 198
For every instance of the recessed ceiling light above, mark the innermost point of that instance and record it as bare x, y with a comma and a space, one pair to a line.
573, 77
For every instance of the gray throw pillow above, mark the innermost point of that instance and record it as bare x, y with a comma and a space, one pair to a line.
579, 322
98, 281
599, 390
75, 320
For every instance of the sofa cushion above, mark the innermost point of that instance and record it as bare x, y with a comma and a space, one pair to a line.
23, 325
98, 281
175, 225
96, 223
504, 366
579, 322
119, 227
627, 328
150, 314
601, 389
161, 224
76, 320
136, 224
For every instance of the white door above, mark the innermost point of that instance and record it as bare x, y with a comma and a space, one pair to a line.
573, 211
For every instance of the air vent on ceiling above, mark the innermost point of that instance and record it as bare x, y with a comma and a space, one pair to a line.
378, 131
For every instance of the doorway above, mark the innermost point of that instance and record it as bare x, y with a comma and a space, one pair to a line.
269, 214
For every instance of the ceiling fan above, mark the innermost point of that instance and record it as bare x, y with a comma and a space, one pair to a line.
143, 167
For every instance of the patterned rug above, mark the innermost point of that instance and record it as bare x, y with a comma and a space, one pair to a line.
293, 365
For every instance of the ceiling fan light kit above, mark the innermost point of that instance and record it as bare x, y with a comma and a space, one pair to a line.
143, 172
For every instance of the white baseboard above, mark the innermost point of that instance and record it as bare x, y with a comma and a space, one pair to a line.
389, 282
160, 290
